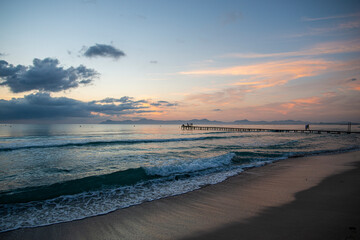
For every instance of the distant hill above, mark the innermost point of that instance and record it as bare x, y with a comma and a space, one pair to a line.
151, 121
208, 122
282, 122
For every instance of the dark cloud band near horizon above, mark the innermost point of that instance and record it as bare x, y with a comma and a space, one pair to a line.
44, 75
103, 50
41, 105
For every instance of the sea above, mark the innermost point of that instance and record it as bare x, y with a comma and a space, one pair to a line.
62, 172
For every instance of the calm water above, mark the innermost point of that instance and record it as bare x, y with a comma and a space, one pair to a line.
57, 173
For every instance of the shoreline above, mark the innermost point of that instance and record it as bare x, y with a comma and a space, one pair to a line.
224, 208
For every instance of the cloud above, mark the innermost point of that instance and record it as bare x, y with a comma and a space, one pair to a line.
319, 49
44, 75
255, 78
41, 105
103, 50
352, 84
114, 100
154, 62
345, 26
327, 107
303, 103
270, 73
222, 97
163, 103
308, 19
334, 106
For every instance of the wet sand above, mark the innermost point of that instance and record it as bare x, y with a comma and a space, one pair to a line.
314, 197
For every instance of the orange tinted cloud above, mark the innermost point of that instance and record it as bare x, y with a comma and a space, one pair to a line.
242, 99
272, 73
100, 114
288, 105
303, 101
246, 83
295, 68
221, 98
284, 108
325, 107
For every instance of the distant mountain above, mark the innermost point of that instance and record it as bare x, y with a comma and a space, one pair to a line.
151, 121
208, 122
142, 121
282, 122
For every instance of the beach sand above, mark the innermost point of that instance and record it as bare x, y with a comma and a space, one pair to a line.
315, 197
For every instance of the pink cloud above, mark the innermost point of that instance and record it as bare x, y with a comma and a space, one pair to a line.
262, 75
261, 92
326, 107
295, 67
304, 101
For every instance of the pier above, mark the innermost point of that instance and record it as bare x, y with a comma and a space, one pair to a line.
233, 129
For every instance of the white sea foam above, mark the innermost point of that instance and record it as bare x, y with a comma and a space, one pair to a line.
179, 166
87, 204
68, 208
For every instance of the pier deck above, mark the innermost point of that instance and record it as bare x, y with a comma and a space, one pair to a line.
233, 129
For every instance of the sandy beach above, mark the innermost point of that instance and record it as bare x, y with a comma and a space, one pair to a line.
313, 197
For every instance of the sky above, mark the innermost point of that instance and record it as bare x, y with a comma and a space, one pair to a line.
86, 61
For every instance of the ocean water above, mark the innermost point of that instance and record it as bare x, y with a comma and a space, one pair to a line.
58, 173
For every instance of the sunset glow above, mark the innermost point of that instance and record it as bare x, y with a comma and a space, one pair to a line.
220, 60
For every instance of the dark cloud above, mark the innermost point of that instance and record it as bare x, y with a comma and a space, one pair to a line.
217, 110
353, 80
42, 106
103, 50
115, 100
44, 75
154, 62
163, 103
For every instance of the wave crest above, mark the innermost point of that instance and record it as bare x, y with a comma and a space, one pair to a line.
110, 142
171, 167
